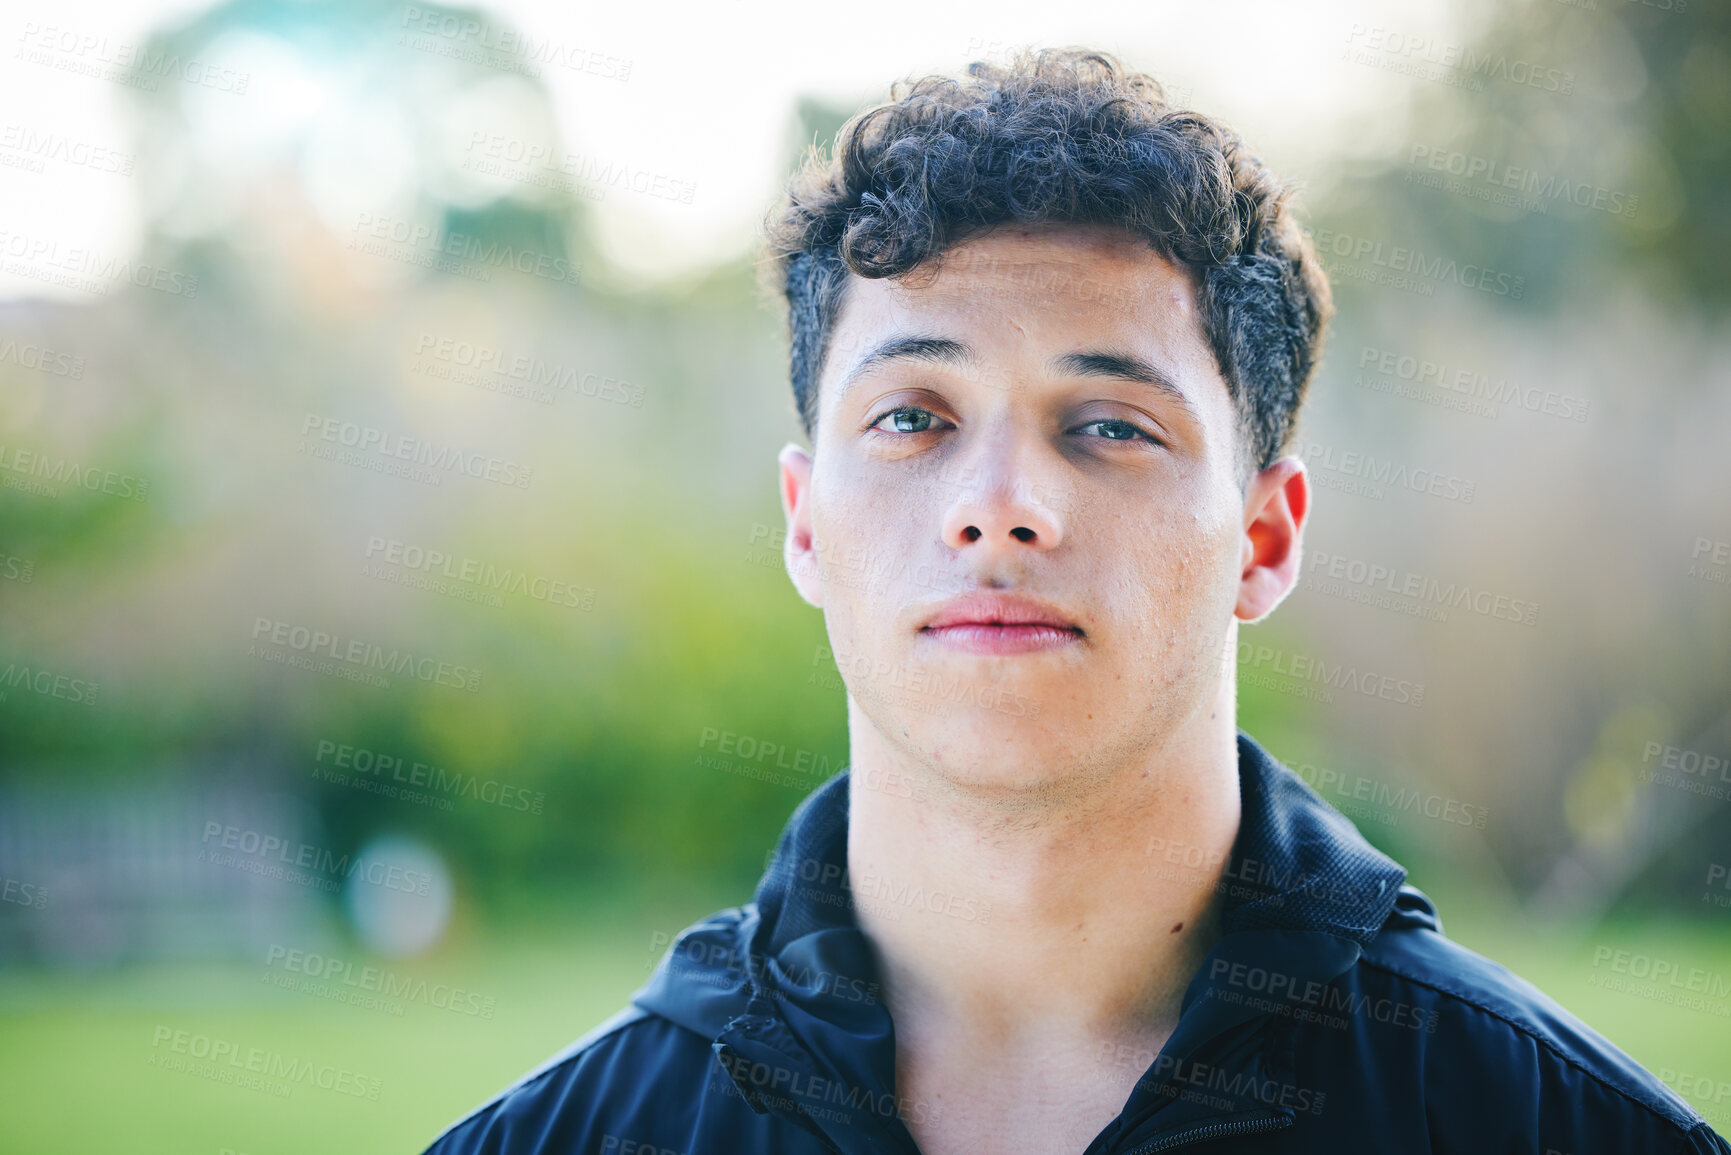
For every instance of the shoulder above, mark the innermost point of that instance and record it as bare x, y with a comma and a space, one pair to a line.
646, 1080
1492, 1044
606, 1090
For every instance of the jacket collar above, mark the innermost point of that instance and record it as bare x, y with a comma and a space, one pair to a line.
787, 986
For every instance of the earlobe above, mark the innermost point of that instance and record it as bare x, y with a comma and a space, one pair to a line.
1277, 503
798, 549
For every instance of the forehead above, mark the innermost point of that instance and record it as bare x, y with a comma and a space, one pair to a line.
1091, 269
1026, 291
1059, 277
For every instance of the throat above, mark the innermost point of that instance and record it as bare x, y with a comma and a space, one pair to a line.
1042, 1092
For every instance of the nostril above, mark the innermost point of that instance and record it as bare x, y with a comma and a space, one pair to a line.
1022, 533
972, 533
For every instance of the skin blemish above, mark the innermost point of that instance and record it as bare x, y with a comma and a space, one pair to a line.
1176, 927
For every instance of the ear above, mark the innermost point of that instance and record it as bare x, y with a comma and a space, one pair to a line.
798, 549
1275, 505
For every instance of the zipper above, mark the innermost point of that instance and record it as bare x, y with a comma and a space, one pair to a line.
1215, 1131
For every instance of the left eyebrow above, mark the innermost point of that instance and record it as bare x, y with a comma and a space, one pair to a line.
933, 350
1123, 366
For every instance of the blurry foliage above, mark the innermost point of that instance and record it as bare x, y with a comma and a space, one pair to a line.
1647, 115
603, 712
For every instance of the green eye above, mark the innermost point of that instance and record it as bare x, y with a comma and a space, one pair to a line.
1113, 430
907, 420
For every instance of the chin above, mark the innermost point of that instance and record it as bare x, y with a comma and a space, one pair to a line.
995, 753
1009, 777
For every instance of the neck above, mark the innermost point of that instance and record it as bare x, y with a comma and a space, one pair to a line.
1079, 916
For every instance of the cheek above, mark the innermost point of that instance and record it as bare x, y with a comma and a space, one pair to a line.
1182, 584
1180, 553
870, 516
838, 525
859, 540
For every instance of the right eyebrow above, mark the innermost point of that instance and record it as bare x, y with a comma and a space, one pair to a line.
932, 350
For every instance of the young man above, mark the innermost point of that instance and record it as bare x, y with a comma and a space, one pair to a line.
1048, 340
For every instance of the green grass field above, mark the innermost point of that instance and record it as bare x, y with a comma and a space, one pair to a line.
76, 1053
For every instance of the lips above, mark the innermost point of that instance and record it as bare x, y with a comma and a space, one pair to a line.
984, 609
1001, 624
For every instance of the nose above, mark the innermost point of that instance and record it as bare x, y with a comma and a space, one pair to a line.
999, 505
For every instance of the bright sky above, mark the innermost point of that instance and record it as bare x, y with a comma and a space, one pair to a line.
709, 98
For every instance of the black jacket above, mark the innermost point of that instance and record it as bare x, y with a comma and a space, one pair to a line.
1332, 1015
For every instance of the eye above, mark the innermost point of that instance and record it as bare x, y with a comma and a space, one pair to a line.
906, 419
1113, 429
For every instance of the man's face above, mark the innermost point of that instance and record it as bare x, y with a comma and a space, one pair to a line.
1043, 419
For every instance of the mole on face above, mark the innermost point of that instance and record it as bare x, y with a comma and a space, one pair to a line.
1176, 927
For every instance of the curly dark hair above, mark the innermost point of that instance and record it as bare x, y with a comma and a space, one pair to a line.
1059, 136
